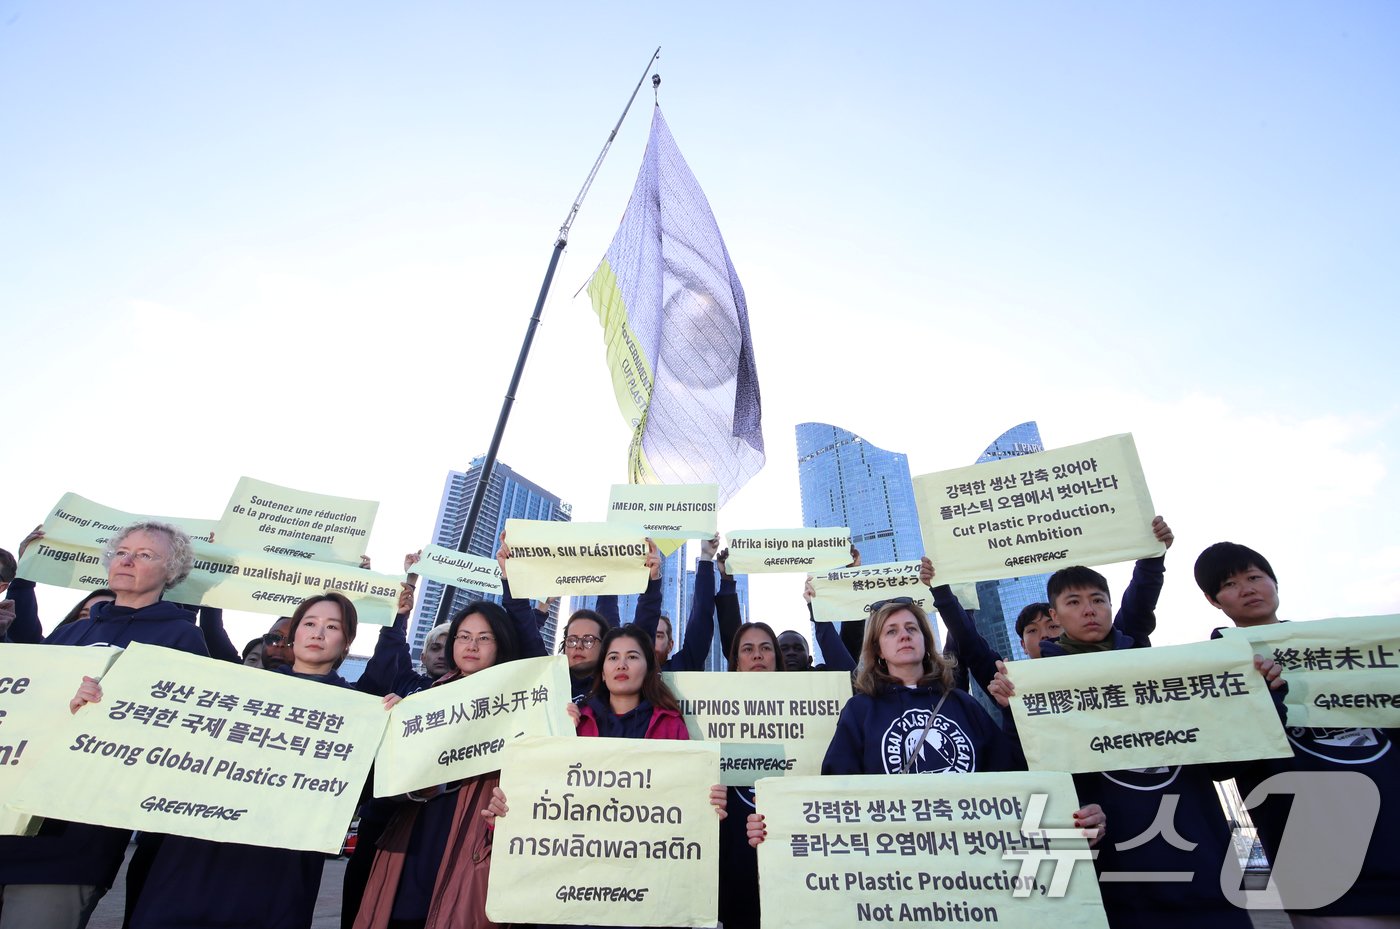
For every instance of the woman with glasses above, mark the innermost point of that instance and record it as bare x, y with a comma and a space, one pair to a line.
194, 882
434, 857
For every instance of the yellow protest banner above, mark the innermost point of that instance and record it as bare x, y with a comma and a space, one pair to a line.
1083, 504
606, 832
961, 848
263, 517
459, 569
460, 729
230, 579
769, 725
667, 511
191, 746
1145, 707
848, 593
787, 551
1341, 672
548, 559
36, 683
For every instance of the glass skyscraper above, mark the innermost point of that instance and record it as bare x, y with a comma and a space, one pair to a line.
508, 496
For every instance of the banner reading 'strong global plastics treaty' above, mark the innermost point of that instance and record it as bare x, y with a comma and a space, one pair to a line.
191, 746
606, 832
769, 725
1341, 672
296, 523
1144, 707
919, 849
460, 729
1084, 504
70, 555
36, 683
787, 551
548, 559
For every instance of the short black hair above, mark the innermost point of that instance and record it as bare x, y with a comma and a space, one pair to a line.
507, 646
8, 566
1073, 577
1223, 560
1030, 614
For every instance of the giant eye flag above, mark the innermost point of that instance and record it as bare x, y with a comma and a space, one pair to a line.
676, 330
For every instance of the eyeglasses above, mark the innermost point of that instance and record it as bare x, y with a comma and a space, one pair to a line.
275, 639
585, 642
143, 556
902, 601
467, 638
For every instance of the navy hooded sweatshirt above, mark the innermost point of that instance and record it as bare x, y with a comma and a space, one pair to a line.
194, 882
78, 853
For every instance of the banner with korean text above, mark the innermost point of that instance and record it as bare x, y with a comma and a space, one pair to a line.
927, 850
1083, 504
460, 729
191, 746
36, 683
1145, 707
606, 832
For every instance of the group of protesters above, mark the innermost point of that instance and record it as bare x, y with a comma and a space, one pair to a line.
423, 859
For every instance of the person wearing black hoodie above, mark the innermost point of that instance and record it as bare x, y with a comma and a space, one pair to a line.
56, 878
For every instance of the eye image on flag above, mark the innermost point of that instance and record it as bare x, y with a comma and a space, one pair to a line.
676, 331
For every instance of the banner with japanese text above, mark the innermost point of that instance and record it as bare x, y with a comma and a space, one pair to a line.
1084, 504
1341, 672
459, 730
902, 848
1145, 707
548, 559
186, 745
769, 725
606, 832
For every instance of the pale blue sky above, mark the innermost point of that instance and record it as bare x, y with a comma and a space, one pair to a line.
1175, 219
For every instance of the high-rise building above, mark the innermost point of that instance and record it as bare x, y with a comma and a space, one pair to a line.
508, 496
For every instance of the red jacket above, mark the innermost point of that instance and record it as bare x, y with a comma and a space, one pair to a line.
664, 724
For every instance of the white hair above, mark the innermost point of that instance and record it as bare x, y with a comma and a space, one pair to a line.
181, 560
